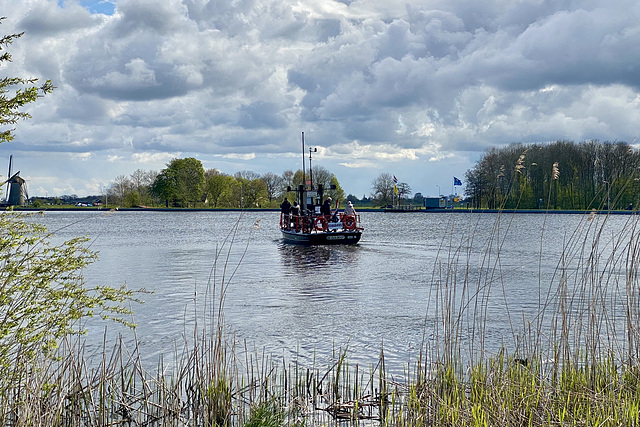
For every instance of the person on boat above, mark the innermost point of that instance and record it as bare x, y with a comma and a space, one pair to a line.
326, 207
285, 210
285, 207
349, 210
295, 213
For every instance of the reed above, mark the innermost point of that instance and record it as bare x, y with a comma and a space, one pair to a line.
574, 363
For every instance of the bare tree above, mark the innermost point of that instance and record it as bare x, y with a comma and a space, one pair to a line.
275, 185
138, 179
118, 190
404, 190
321, 176
383, 189
248, 175
287, 178
211, 172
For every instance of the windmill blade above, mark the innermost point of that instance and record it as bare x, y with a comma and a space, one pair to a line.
6, 195
26, 193
10, 178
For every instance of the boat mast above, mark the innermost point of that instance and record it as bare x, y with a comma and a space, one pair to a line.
304, 178
302, 188
310, 168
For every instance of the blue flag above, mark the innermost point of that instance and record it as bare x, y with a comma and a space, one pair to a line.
456, 181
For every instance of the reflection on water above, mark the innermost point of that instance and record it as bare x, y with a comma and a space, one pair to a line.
300, 257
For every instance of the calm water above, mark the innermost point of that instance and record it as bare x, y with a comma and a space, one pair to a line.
305, 302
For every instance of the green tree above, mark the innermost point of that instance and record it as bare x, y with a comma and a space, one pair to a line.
42, 291
132, 199
256, 194
217, 188
16, 92
562, 174
236, 196
189, 176
299, 178
248, 193
182, 182
334, 190
163, 188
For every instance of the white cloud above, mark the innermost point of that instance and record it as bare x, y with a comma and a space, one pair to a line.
238, 156
378, 84
154, 158
81, 156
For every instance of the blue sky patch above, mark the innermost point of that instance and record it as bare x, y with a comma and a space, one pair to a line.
106, 7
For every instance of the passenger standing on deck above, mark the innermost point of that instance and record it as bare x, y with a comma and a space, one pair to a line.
295, 209
285, 209
326, 207
295, 213
349, 210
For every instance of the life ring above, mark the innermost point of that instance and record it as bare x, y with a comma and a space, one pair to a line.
349, 222
321, 223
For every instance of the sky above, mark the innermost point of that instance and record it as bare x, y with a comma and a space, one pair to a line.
419, 89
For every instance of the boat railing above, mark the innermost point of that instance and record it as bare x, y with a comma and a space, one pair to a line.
310, 222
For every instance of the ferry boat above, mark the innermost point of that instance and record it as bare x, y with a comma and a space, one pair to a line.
318, 229
309, 226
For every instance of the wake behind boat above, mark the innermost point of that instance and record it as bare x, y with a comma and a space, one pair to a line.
308, 222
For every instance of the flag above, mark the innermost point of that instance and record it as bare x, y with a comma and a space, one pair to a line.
456, 181
395, 189
395, 180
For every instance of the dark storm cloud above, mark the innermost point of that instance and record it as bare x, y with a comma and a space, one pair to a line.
260, 114
47, 19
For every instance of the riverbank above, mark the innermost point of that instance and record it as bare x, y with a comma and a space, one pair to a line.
359, 209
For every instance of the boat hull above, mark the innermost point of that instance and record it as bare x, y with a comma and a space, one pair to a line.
322, 238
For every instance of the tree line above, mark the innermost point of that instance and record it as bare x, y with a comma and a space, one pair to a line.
560, 175
185, 183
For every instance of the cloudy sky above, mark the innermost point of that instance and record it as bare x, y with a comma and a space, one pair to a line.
416, 88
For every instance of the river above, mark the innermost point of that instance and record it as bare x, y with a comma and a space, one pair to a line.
411, 275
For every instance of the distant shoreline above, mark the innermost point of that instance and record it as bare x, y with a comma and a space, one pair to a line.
360, 210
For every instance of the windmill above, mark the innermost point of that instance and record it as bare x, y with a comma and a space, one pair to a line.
16, 193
